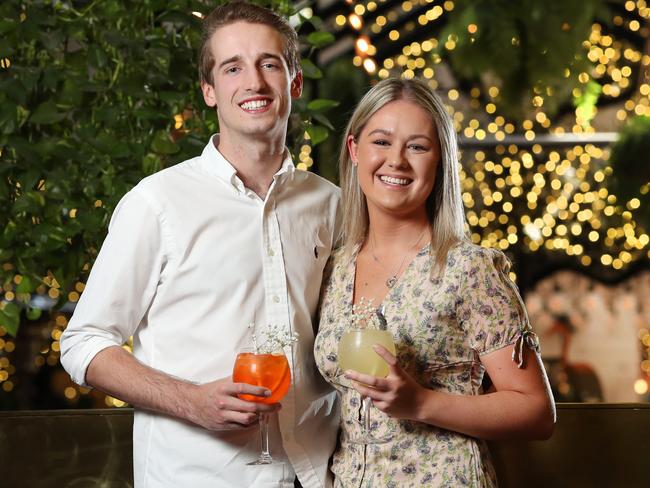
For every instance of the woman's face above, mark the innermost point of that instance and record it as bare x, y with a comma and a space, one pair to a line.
397, 154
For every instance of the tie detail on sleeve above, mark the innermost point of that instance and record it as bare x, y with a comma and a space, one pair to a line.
528, 339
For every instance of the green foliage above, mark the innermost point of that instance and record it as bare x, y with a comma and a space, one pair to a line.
585, 103
630, 162
94, 95
524, 46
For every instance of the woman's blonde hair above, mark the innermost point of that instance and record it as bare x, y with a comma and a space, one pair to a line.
444, 205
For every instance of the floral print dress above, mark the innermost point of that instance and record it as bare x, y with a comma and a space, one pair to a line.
441, 327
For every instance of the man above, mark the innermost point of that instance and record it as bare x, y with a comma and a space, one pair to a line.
194, 254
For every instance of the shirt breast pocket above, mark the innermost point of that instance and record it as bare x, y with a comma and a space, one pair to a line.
306, 251
311, 245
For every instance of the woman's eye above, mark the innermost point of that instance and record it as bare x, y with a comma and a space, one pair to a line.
417, 147
380, 142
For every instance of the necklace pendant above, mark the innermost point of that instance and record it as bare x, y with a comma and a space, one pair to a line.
390, 282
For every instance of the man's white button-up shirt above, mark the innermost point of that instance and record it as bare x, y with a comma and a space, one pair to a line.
192, 256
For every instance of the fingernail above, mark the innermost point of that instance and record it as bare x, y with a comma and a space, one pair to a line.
267, 393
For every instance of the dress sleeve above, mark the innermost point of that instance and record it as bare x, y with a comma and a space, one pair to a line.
120, 288
490, 308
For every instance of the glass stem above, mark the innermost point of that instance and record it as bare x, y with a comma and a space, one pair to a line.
264, 434
366, 415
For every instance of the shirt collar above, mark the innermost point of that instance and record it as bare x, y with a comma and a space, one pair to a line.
213, 162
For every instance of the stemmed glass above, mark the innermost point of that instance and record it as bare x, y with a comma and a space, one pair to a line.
269, 371
355, 352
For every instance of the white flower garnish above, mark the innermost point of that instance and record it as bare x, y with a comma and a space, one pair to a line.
274, 339
364, 315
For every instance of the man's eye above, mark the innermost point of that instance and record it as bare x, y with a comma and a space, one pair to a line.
269, 66
232, 69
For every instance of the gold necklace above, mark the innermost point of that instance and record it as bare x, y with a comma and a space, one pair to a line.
392, 279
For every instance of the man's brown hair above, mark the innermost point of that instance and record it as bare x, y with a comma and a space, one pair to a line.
232, 12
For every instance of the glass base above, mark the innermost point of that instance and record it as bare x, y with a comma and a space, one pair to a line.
262, 460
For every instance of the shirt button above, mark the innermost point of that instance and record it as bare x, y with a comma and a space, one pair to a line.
276, 299
271, 253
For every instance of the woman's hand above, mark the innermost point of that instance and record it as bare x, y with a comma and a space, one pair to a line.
397, 395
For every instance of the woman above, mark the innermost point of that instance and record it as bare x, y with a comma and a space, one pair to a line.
454, 314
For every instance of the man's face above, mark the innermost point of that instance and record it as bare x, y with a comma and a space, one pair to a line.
252, 87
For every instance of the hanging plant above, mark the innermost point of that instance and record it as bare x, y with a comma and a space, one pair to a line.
528, 48
630, 163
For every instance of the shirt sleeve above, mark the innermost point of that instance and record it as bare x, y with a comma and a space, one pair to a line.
490, 308
120, 288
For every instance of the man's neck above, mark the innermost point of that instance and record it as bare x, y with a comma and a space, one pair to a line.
256, 161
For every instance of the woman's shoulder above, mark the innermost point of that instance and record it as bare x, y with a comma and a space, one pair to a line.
337, 264
468, 252
340, 258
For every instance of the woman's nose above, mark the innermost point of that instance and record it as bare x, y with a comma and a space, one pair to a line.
396, 158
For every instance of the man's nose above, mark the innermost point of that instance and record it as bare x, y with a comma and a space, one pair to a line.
255, 80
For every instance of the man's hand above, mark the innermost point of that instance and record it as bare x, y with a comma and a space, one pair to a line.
217, 407
213, 405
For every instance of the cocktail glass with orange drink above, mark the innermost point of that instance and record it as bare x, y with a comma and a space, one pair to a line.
271, 371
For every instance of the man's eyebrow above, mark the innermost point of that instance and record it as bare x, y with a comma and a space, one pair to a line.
229, 60
270, 55
262, 56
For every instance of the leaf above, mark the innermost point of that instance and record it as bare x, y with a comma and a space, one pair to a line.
146, 113
322, 104
8, 122
10, 317
33, 313
24, 149
314, 20
22, 114
96, 56
46, 113
26, 285
14, 90
163, 144
7, 25
320, 39
317, 134
176, 17
310, 70
151, 163
322, 120
30, 203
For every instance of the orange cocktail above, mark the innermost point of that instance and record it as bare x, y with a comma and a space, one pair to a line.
268, 370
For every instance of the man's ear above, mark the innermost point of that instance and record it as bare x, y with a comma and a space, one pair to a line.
208, 94
296, 85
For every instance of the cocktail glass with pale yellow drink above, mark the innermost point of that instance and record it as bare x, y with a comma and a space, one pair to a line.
356, 353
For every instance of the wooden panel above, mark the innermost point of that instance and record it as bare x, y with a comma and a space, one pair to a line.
593, 445
66, 448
